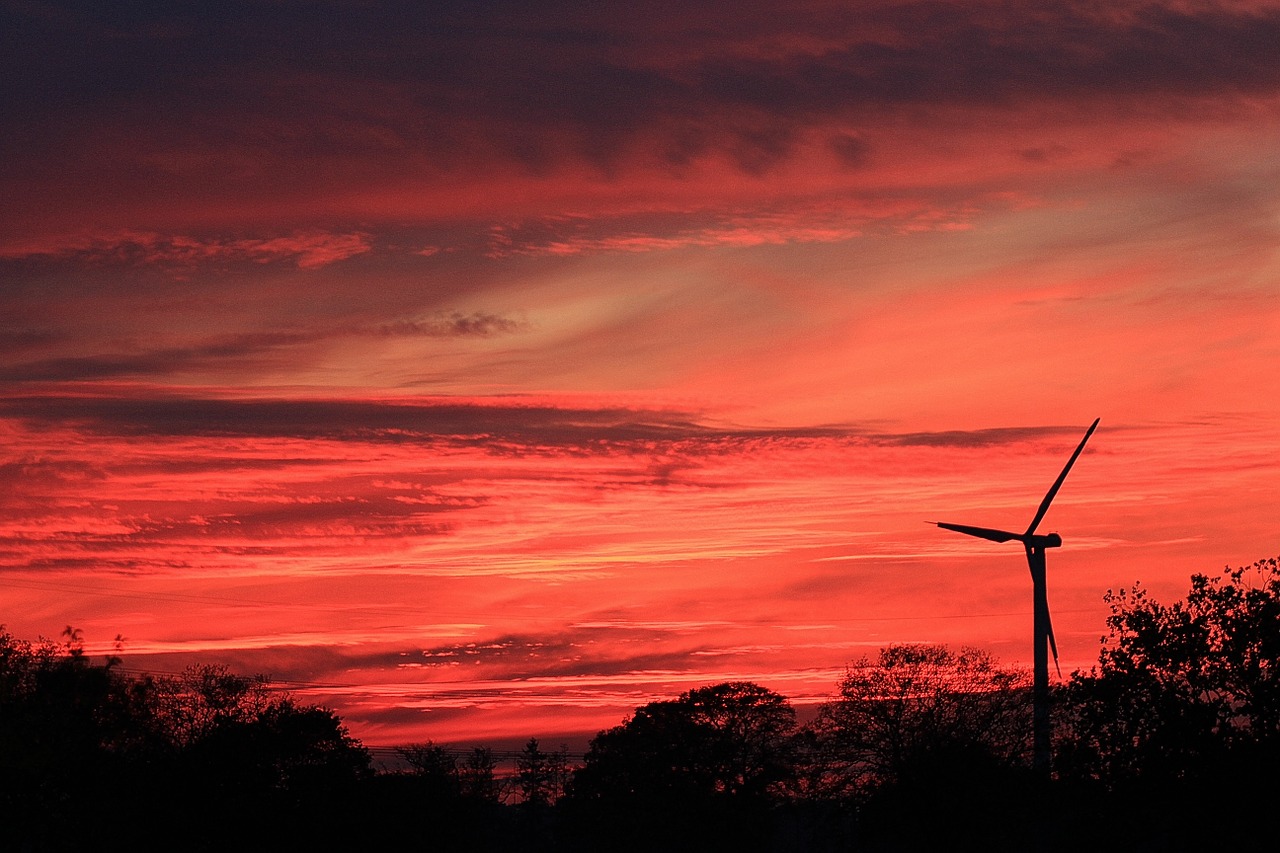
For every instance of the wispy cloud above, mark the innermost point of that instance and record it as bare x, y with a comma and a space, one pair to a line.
213, 355
811, 222
393, 420
310, 249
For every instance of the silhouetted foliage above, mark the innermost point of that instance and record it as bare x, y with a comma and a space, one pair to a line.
1180, 710
442, 777
541, 777
685, 773
436, 770
1179, 687
80, 742
922, 748
957, 796
203, 699
895, 716
539, 784
477, 782
66, 727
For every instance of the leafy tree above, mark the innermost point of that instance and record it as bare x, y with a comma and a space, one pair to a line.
442, 776
205, 698
245, 749
80, 742
66, 727
730, 738
685, 773
1180, 713
1183, 686
436, 769
896, 717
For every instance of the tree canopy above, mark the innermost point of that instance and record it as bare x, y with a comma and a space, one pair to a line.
78, 739
1180, 685
704, 762
897, 713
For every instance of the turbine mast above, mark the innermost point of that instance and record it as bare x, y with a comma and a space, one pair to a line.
1042, 626
1041, 634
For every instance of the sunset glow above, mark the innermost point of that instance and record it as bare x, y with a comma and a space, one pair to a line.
482, 371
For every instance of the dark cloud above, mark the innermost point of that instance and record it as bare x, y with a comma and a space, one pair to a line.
283, 665
456, 325
163, 362
828, 585
212, 354
97, 367
96, 559
15, 339
375, 87
299, 418
497, 423
299, 523
1043, 154
853, 151
994, 437
368, 421
580, 652
304, 249
44, 471
601, 652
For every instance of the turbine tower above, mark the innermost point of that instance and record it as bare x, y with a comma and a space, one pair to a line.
1035, 545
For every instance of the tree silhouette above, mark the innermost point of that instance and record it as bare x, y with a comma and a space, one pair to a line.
81, 742
922, 748
1183, 685
1181, 712
932, 748
204, 698
895, 715
477, 781
436, 770
541, 776
690, 772
65, 728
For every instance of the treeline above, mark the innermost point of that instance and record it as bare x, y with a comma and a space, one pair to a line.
1170, 742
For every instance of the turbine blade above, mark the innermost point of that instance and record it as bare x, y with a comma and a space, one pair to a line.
980, 532
1048, 620
1053, 491
1053, 646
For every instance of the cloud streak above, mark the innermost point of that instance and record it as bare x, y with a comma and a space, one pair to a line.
215, 354
304, 249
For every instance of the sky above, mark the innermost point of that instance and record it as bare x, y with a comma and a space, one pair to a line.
484, 370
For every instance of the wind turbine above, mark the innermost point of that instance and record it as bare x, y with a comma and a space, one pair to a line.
1035, 545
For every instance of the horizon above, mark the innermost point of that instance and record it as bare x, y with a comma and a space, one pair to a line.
485, 399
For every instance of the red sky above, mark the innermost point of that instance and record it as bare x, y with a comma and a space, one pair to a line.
484, 370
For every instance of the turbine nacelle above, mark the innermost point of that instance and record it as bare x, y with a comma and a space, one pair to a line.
1048, 540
